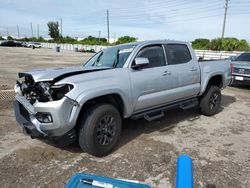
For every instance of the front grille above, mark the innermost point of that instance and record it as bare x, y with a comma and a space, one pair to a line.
241, 70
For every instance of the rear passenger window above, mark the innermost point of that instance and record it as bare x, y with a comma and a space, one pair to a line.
155, 55
177, 54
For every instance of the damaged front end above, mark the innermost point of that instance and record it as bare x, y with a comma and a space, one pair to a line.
41, 91
43, 110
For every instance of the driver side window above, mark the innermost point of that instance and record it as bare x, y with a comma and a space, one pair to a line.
155, 55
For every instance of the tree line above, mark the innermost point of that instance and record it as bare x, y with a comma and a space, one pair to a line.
54, 33
219, 44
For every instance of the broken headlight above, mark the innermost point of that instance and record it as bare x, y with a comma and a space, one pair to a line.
58, 91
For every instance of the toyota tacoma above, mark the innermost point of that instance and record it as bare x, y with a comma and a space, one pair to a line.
87, 103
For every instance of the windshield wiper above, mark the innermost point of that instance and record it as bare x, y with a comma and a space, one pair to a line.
116, 61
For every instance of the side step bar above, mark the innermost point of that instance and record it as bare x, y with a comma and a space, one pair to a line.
153, 116
157, 113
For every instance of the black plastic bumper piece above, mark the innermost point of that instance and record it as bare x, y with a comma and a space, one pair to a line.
22, 117
245, 81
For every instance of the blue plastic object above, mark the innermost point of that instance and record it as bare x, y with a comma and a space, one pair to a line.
75, 182
184, 176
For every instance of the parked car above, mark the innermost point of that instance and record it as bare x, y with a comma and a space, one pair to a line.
34, 45
25, 44
241, 69
11, 43
135, 80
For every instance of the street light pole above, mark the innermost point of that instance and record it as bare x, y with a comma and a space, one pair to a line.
225, 19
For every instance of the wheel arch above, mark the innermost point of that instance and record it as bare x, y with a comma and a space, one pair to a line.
215, 80
113, 99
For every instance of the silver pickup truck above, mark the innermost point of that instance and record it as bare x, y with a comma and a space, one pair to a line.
241, 69
135, 80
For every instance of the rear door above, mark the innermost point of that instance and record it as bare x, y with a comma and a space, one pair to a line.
184, 70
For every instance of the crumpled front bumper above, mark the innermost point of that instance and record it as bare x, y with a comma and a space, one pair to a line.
63, 111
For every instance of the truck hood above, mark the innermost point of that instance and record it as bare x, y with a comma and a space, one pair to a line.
57, 74
241, 64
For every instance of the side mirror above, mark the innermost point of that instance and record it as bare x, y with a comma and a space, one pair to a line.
140, 62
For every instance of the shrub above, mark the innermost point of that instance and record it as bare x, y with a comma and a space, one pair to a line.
125, 39
225, 44
201, 44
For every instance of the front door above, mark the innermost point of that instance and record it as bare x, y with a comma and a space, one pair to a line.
149, 83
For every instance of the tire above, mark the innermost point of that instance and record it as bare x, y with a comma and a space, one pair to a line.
100, 130
210, 102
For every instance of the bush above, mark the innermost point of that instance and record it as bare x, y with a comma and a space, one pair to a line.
125, 39
243, 46
229, 44
225, 44
10, 38
68, 39
201, 44
94, 41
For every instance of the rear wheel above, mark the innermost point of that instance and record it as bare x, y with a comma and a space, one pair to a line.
210, 102
100, 129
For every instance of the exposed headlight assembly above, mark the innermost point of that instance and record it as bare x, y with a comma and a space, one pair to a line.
58, 91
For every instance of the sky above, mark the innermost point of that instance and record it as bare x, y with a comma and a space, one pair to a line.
144, 19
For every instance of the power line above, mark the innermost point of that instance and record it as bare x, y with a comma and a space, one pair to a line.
167, 7
225, 18
158, 5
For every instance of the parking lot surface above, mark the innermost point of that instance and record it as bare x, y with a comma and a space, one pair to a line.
218, 145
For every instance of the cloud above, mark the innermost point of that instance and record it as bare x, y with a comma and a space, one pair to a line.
145, 19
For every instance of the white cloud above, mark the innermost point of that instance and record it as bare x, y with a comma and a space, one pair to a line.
145, 19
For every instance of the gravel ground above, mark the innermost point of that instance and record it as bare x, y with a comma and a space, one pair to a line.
218, 145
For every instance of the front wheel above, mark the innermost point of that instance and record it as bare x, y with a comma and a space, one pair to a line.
100, 129
210, 102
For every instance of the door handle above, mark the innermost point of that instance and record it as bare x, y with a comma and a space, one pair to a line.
193, 69
165, 73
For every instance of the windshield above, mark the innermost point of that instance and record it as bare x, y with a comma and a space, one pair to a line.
243, 57
111, 57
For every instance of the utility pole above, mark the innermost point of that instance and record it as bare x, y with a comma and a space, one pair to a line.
7, 29
225, 19
108, 23
99, 36
114, 37
61, 27
31, 27
18, 34
38, 31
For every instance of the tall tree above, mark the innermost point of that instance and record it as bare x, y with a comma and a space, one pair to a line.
54, 30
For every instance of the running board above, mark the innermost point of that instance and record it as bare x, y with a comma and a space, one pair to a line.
189, 104
157, 113
154, 115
